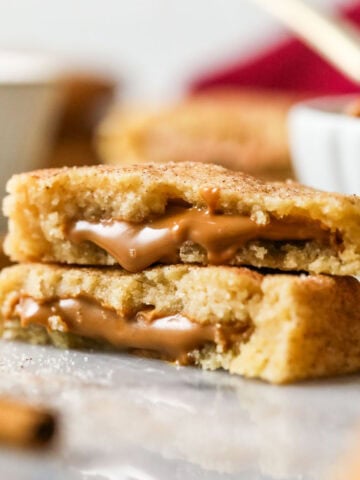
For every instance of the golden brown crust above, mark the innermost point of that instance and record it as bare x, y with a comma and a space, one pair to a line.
301, 326
42, 203
190, 176
239, 129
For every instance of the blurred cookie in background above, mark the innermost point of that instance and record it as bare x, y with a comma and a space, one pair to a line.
237, 128
4, 259
85, 99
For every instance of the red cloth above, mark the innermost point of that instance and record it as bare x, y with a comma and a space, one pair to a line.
288, 65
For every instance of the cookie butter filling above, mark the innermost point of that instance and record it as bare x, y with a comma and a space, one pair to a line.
136, 246
173, 336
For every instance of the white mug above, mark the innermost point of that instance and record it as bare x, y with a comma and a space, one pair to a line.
29, 106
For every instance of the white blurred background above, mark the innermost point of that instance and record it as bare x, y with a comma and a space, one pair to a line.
156, 46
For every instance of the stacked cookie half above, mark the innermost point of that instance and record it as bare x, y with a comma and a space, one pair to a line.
187, 262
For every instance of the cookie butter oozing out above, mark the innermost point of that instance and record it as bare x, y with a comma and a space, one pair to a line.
171, 336
42, 205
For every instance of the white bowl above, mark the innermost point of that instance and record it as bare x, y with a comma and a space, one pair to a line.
325, 144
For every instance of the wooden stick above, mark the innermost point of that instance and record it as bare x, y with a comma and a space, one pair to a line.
335, 39
25, 426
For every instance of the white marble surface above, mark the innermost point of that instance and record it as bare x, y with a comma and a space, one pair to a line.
124, 417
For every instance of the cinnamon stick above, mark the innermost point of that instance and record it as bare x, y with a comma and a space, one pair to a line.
24, 425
